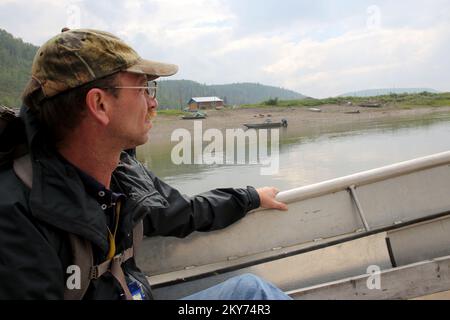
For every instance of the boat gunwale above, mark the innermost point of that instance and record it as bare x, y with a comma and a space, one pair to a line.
364, 178
325, 244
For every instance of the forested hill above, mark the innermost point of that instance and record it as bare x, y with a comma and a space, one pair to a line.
16, 57
176, 93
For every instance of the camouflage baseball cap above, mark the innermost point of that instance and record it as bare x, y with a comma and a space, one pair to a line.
77, 57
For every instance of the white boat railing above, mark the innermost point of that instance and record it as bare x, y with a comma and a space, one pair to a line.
366, 177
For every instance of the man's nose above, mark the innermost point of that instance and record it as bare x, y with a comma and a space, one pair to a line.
152, 102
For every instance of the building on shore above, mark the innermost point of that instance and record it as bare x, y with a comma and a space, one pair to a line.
199, 103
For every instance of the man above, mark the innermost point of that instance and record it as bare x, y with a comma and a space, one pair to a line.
91, 97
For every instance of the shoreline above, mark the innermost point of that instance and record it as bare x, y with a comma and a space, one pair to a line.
301, 121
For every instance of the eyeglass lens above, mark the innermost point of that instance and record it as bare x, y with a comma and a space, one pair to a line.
151, 88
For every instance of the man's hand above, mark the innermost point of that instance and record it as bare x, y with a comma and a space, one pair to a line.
267, 198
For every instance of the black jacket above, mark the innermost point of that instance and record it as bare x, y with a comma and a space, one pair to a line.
34, 224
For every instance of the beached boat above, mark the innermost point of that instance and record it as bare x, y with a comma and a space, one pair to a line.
394, 219
315, 109
197, 115
352, 112
370, 105
267, 124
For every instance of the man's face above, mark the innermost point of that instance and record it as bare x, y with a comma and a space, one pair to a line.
132, 112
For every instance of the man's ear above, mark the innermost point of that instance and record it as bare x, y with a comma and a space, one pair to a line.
98, 105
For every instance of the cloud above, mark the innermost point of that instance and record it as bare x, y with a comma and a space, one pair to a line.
167, 22
361, 60
33, 21
319, 48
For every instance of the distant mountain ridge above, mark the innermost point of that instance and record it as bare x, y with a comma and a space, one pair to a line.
16, 58
176, 93
387, 91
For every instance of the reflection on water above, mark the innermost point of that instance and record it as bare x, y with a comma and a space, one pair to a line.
322, 154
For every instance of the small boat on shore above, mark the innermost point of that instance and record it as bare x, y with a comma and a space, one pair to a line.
370, 105
315, 109
197, 115
267, 124
352, 112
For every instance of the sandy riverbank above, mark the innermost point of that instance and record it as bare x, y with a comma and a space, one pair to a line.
301, 121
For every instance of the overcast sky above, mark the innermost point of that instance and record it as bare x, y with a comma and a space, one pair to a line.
319, 48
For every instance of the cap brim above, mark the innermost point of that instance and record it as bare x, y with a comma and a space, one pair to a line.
153, 69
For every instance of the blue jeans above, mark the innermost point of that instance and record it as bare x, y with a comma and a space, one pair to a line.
243, 287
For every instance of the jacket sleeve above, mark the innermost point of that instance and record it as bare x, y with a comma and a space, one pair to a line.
212, 210
29, 266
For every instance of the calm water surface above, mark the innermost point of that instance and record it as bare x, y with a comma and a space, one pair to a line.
314, 157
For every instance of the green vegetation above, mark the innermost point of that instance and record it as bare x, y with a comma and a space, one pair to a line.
171, 112
271, 102
387, 91
15, 66
406, 101
425, 99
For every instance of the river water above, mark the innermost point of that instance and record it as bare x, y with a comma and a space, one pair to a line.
313, 157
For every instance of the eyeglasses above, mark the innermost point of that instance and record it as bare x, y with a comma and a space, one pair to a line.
150, 89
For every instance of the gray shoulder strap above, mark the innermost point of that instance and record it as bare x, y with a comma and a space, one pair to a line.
84, 259
24, 170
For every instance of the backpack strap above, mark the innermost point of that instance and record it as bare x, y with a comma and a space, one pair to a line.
24, 169
114, 266
83, 256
